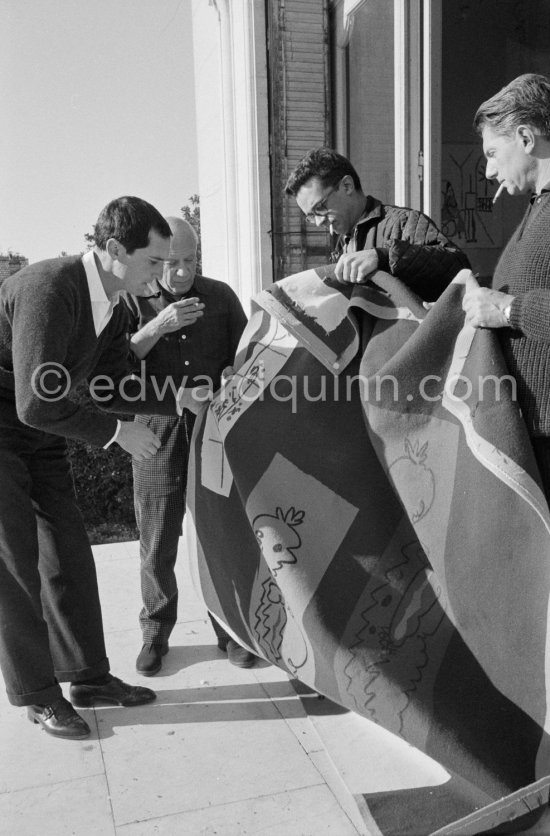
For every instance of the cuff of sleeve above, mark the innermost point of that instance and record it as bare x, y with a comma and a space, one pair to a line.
515, 313
192, 399
114, 438
181, 400
383, 259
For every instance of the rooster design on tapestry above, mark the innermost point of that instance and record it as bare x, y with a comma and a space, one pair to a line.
415, 483
277, 630
399, 615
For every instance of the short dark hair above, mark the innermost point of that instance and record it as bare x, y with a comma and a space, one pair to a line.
328, 165
524, 101
129, 220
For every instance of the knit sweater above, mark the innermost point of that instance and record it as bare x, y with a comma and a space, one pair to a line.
523, 271
48, 345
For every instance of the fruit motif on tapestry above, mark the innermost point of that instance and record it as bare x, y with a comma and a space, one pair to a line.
414, 481
277, 630
277, 537
270, 619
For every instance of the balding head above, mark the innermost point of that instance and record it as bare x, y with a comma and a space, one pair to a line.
183, 235
179, 270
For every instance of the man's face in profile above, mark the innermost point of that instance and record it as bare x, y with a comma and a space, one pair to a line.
145, 265
327, 206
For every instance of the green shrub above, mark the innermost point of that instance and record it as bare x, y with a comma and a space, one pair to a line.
103, 483
104, 490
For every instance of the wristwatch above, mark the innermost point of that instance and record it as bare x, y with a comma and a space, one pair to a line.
507, 311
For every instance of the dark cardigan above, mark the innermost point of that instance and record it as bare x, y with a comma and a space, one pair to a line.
46, 318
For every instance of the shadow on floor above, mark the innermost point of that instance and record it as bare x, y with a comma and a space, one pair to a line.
184, 656
207, 704
210, 703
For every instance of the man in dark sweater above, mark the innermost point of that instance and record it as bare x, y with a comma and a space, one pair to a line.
60, 325
515, 128
372, 236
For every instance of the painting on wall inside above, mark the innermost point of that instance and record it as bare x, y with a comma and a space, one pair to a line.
468, 214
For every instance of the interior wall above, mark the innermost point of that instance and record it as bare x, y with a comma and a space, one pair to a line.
486, 43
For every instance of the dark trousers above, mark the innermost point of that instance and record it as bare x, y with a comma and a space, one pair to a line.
50, 617
159, 500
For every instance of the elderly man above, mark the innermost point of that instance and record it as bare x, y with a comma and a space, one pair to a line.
191, 326
515, 129
60, 325
372, 236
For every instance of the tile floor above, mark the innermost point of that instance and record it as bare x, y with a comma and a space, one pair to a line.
222, 752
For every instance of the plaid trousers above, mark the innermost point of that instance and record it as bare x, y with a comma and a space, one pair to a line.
159, 500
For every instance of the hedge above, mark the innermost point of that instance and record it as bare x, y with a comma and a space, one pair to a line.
104, 486
103, 483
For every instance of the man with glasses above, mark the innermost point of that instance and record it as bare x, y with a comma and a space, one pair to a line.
189, 326
372, 235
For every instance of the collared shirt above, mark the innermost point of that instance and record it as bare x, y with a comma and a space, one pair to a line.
364, 234
537, 204
197, 351
538, 197
102, 307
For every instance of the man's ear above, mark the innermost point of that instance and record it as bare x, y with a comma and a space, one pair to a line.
115, 249
527, 136
347, 183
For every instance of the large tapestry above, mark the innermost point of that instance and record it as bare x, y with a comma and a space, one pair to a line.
367, 515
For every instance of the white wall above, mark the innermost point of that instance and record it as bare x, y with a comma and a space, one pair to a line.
233, 142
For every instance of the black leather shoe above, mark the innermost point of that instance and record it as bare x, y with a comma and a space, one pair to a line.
149, 661
239, 656
60, 719
115, 692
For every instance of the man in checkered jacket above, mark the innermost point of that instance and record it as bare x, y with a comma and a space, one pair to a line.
190, 326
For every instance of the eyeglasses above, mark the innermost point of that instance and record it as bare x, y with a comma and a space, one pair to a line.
320, 210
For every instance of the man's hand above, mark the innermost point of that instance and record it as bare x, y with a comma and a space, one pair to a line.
138, 440
356, 267
178, 314
174, 316
484, 308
